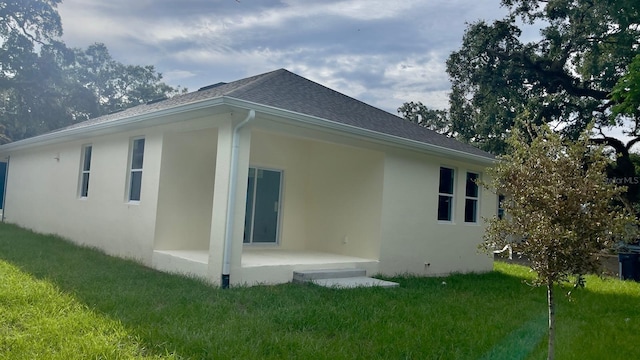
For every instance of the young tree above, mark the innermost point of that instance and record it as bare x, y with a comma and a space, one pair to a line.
560, 208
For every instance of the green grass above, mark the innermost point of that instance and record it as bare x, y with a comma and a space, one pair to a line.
60, 301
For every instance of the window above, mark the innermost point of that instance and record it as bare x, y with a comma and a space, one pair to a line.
135, 174
262, 214
501, 199
471, 198
84, 171
445, 194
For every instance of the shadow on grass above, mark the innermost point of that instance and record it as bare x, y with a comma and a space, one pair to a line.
458, 317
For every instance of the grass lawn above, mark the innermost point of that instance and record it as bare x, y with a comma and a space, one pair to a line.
60, 301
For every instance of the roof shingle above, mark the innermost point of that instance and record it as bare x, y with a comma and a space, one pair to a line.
287, 91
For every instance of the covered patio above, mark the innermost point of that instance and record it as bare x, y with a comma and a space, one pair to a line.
268, 266
301, 204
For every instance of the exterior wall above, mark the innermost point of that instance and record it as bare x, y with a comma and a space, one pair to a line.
185, 194
331, 197
43, 194
291, 155
345, 200
340, 195
413, 240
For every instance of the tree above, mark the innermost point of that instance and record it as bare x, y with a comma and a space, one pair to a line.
116, 86
434, 119
45, 86
559, 208
626, 92
28, 33
564, 77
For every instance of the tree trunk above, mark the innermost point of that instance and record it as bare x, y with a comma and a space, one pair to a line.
552, 319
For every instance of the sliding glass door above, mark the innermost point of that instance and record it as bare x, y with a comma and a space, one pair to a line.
263, 206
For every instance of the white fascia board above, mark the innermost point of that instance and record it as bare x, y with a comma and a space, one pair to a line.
153, 118
163, 116
360, 132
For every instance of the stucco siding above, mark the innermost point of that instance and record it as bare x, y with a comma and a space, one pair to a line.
413, 240
345, 200
185, 194
341, 195
43, 194
331, 197
291, 155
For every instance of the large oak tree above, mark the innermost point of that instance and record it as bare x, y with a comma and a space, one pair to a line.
45, 86
564, 76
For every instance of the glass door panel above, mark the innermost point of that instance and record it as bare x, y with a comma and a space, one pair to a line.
263, 206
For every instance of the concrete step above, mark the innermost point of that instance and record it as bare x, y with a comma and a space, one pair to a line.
309, 275
353, 282
340, 278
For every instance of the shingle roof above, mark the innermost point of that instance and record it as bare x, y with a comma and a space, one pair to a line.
287, 91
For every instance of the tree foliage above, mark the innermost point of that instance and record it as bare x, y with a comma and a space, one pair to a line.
626, 92
417, 112
576, 72
116, 86
559, 207
565, 76
45, 86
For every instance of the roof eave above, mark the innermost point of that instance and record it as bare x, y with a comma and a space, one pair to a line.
164, 116
154, 118
360, 132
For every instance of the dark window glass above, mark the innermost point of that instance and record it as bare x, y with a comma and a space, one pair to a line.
137, 154
84, 191
263, 206
248, 219
135, 186
471, 198
446, 181
137, 157
86, 166
500, 206
444, 207
470, 210
472, 185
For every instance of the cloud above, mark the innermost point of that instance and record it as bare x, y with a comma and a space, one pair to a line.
382, 52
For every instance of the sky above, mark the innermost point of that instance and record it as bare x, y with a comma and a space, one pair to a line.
382, 52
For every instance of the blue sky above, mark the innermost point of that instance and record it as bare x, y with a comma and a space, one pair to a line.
381, 52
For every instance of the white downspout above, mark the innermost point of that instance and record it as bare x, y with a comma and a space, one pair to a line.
231, 199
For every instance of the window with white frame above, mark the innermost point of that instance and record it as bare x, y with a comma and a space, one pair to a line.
471, 198
445, 194
85, 168
135, 172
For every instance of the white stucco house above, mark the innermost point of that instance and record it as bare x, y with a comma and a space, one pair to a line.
245, 182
